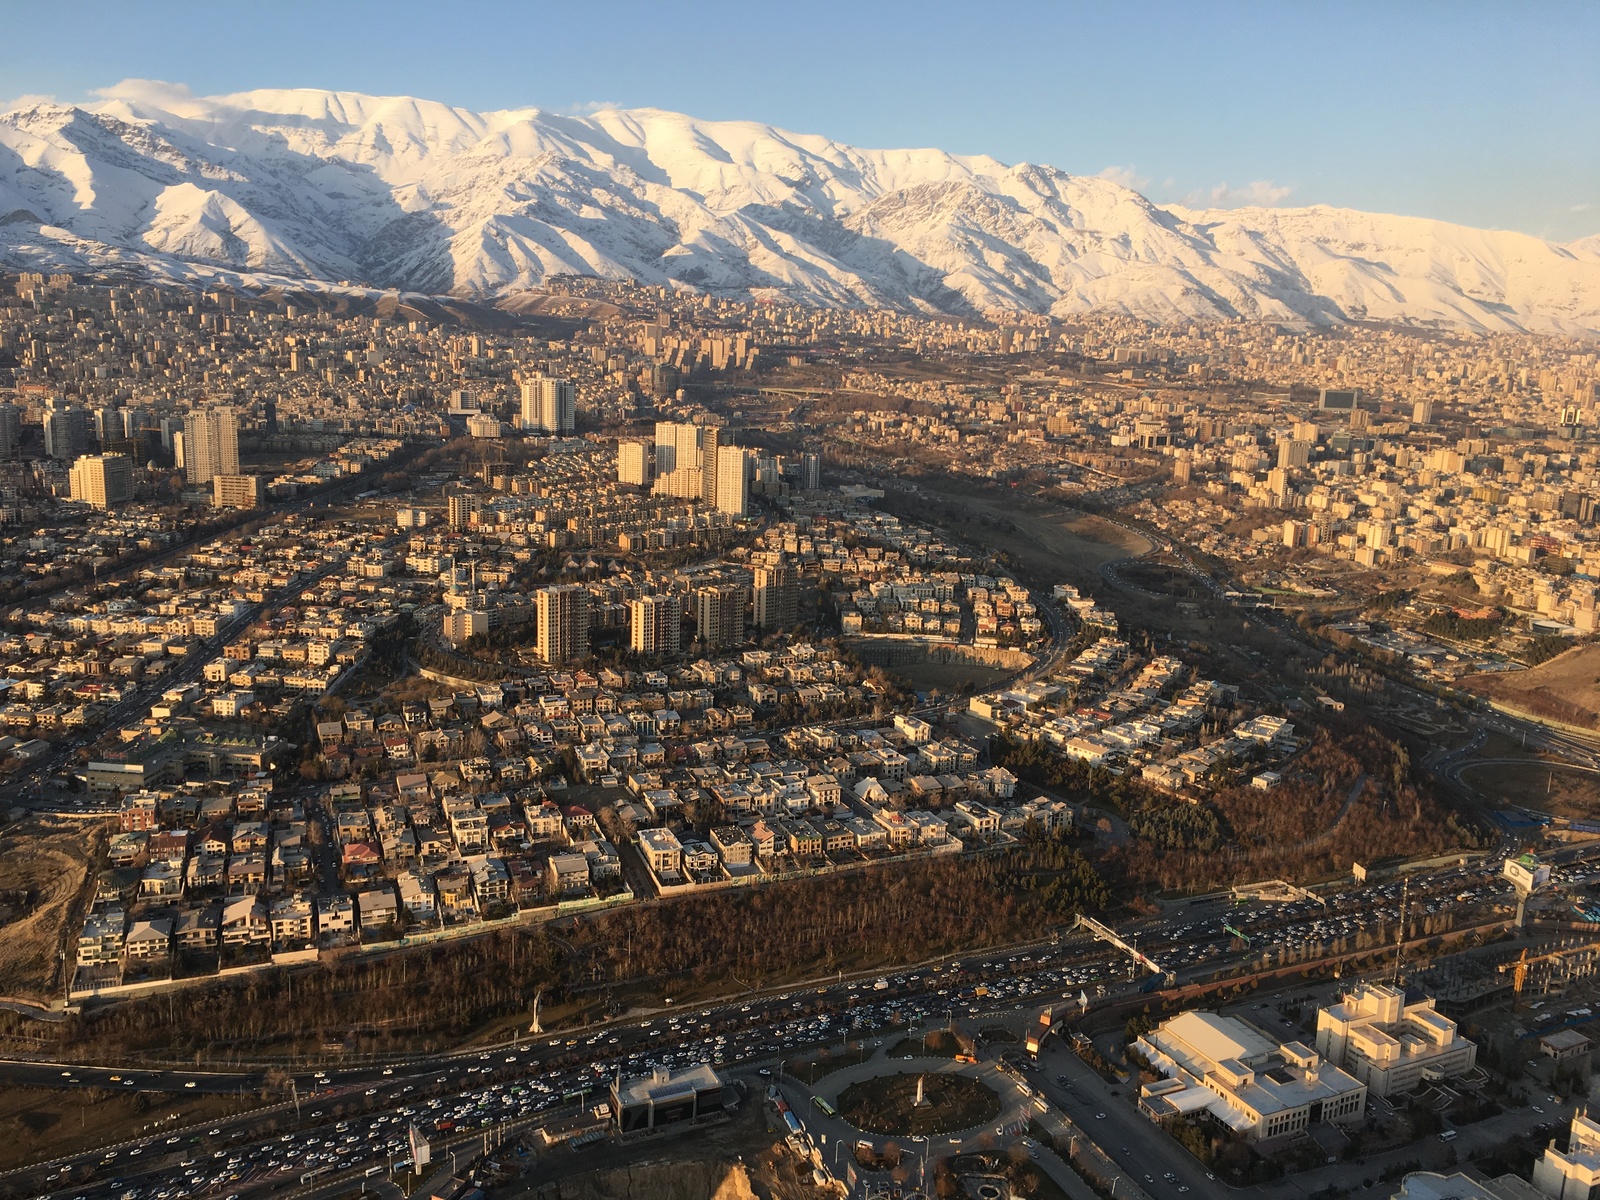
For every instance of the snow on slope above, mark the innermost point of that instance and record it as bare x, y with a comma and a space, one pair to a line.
401, 193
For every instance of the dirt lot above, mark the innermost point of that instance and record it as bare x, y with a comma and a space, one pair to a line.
38, 1124
949, 677
1567, 688
43, 870
1052, 542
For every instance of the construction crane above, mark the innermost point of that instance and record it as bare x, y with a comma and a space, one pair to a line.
1519, 966
1519, 975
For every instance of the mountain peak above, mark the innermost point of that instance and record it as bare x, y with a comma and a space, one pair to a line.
397, 191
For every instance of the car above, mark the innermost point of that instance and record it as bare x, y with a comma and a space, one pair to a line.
1099, 1116
190, 1084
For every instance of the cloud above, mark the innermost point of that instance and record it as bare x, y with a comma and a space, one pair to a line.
588, 108
1260, 192
175, 98
1126, 176
26, 100
1580, 208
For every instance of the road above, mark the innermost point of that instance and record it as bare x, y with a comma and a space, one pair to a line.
524, 1082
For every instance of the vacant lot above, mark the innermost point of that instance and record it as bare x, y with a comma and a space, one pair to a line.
43, 870
949, 676
1567, 688
1050, 541
1544, 787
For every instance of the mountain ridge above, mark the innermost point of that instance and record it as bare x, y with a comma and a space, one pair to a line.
335, 188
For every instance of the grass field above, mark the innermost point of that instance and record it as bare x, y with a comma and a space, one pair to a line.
43, 870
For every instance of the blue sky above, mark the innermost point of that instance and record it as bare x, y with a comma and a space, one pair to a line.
1483, 113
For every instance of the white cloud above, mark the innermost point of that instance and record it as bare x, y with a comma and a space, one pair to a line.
1126, 176
175, 98
26, 100
1260, 192
1580, 208
588, 108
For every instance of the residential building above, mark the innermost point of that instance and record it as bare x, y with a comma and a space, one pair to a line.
149, 939
336, 915
677, 447
719, 615
245, 922
211, 444
566, 874
378, 908
654, 624
633, 463
733, 480
238, 491
66, 431
293, 920
663, 852
10, 429
100, 940
776, 596
562, 613
460, 508
549, 405
102, 480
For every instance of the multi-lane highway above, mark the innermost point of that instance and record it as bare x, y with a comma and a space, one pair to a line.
510, 1085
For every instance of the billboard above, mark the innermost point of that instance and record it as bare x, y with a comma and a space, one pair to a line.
421, 1152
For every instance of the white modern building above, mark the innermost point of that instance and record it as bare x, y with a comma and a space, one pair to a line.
1572, 1174
1253, 1085
1390, 1045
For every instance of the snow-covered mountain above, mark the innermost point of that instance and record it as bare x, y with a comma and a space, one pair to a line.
394, 192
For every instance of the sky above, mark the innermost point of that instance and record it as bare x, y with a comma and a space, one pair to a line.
1482, 113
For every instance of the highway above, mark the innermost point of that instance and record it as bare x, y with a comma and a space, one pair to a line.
511, 1084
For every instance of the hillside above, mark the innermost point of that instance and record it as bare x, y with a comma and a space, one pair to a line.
397, 193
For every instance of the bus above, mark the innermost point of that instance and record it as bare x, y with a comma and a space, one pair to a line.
313, 1175
823, 1107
